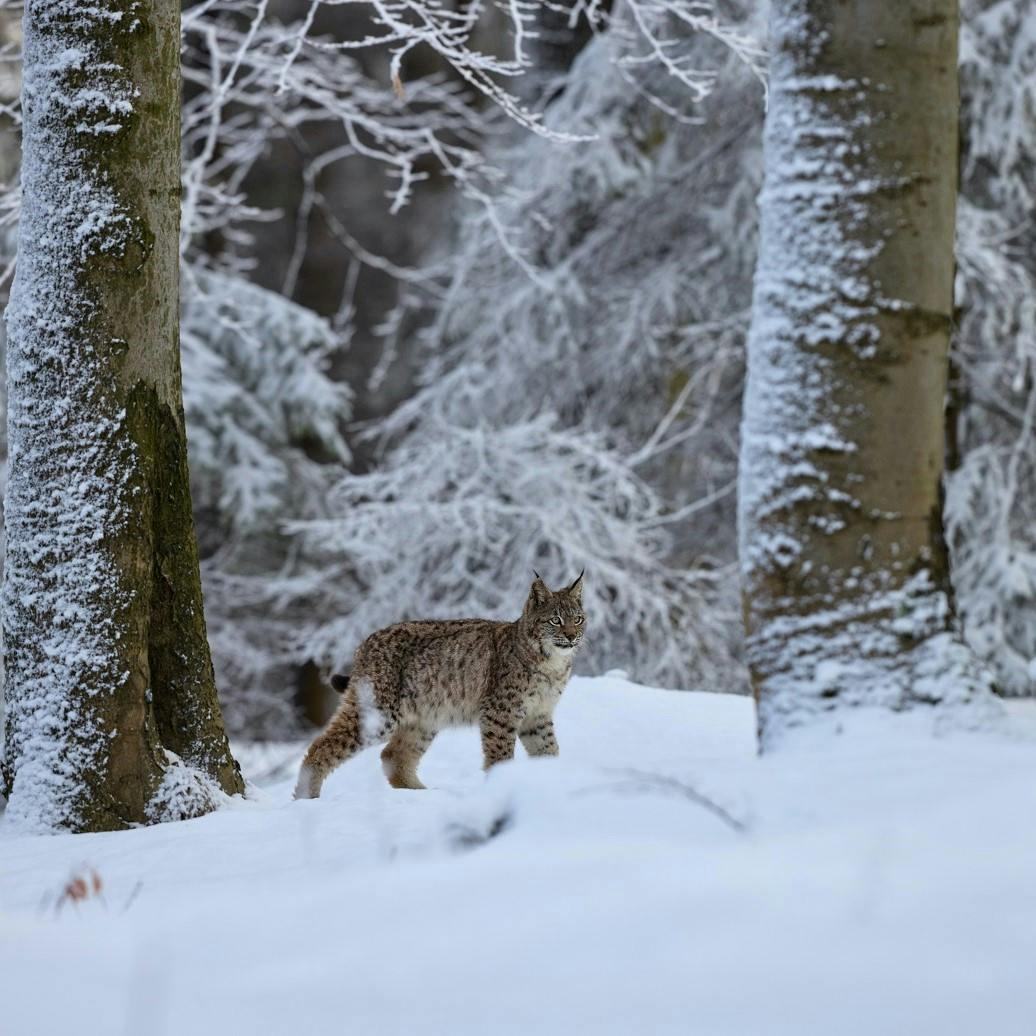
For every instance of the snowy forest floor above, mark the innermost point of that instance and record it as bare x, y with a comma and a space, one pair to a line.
658, 878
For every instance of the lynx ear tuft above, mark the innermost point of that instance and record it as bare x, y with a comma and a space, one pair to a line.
576, 589
539, 592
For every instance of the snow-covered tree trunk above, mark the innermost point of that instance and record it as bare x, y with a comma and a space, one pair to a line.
112, 716
846, 591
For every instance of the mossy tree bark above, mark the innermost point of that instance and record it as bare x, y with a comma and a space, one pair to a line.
112, 715
845, 573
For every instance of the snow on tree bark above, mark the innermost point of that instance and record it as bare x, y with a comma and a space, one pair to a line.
112, 716
846, 591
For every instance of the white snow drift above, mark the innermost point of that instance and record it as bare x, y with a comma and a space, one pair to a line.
658, 878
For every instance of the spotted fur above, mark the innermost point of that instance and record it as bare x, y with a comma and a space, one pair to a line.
412, 680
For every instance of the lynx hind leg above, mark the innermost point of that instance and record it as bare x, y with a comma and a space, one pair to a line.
357, 724
402, 754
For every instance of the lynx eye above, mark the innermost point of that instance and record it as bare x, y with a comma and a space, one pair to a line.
579, 620
555, 620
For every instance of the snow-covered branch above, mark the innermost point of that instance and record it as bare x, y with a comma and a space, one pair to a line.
589, 322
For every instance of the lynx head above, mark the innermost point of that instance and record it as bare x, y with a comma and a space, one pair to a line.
555, 618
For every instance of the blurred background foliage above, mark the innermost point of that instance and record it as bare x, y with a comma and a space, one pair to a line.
465, 288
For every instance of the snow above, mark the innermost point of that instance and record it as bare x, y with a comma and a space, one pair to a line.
659, 877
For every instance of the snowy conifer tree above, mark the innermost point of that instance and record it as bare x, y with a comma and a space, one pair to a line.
991, 484
584, 345
845, 571
112, 716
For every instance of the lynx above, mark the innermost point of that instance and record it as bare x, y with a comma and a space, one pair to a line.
411, 680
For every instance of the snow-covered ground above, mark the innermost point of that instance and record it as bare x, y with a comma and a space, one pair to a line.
658, 878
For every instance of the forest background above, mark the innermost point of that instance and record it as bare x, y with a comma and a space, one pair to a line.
438, 332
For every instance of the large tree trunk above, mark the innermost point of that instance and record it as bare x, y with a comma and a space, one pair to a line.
846, 591
112, 716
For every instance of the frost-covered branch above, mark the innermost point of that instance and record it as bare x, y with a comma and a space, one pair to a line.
991, 491
589, 321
